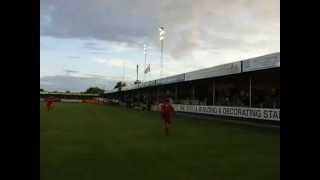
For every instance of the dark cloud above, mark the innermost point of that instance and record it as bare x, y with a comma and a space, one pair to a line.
99, 19
72, 83
190, 24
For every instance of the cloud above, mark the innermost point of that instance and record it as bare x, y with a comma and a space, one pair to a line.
69, 71
116, 63
224, 25
76, 84
100, 61
99, 53
120, 63
93, 46
97, 76
99, 47
74, 57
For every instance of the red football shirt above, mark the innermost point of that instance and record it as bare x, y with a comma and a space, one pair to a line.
167, 110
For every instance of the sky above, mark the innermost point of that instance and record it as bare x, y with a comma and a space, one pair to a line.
99, 42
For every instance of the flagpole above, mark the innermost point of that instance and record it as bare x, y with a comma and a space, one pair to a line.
145, 64
123, 78
145, 61
137, 72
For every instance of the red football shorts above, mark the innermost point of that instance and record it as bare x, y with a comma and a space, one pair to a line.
49, 104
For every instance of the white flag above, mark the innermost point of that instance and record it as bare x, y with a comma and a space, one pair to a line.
147, 69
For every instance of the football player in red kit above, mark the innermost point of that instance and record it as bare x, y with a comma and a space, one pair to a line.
50, 101
166, 112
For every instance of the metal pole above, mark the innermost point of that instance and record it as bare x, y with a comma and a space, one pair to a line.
213, 91
161, 60
193, 93
250, 91
137, 72
145, 61
124, 72
176, 94
157, 94
145, 65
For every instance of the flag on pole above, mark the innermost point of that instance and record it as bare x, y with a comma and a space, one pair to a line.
147, 69
162, 33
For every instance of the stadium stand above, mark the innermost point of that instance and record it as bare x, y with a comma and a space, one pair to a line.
251, 86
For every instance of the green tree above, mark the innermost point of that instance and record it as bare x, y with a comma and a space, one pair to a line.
119, 85
94, 90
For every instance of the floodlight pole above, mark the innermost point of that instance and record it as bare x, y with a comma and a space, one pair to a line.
162, 33
161, 60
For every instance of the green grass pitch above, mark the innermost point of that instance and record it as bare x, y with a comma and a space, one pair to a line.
85, 141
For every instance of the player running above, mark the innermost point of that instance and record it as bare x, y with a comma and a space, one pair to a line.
50, 101
167, 110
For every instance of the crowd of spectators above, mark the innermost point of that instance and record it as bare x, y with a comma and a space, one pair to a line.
240, 98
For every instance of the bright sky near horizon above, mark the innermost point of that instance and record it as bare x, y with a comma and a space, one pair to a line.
87, 43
